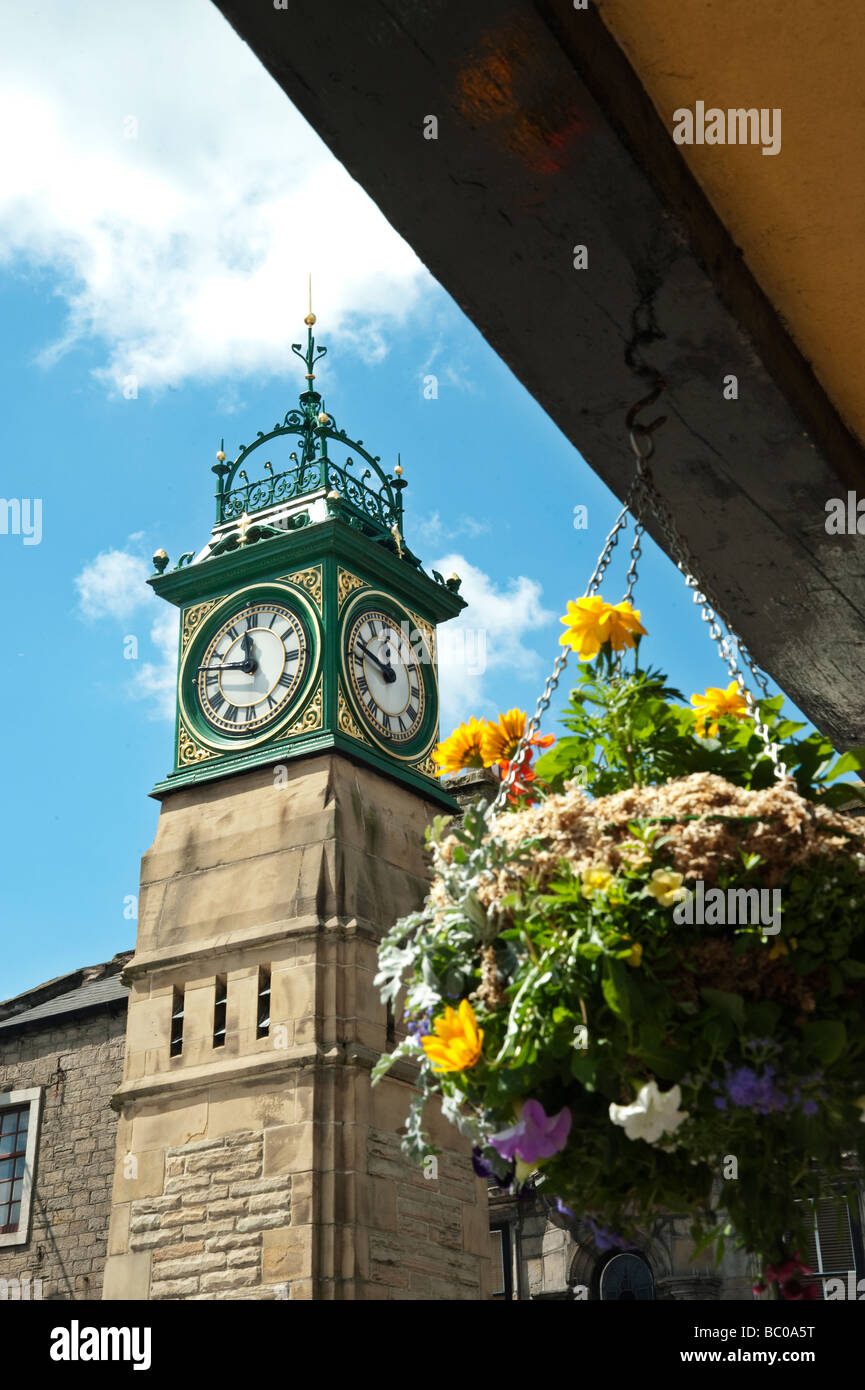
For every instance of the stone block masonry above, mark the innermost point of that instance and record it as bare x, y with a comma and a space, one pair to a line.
78, 1064
205, 1234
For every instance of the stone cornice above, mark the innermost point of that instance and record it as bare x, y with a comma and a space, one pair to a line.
296, 928
263, 1066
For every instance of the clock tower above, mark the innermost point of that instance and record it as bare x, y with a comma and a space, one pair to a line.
254, 1158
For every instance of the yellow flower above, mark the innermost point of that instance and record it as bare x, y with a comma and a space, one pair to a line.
718, 704
636, 956
458, 1041
624, 625
595, 880
501, 738
780, 948
462, 749
591, 622
666, 886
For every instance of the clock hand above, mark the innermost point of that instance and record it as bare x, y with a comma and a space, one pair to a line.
388, 671
249, 665
232, 666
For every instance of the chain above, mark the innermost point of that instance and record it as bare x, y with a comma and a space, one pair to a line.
684, 560
561, 662
643, 494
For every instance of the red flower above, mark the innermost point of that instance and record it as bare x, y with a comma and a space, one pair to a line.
790, 1276
525, 773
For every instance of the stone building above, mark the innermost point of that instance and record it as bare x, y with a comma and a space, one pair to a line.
61, 1059
207, 1232
196, 1120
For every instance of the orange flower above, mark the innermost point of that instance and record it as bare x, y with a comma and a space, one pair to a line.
462, 749
457, 1045
718, 704
502, 737
591, 622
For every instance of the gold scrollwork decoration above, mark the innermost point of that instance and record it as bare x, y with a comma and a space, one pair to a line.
346, 583
426, 630
308, 579
312, 717
188, 751
428, 768
346, 721
192, 620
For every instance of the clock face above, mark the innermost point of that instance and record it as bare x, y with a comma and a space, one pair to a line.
386, 677
252, 668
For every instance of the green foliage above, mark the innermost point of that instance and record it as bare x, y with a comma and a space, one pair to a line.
628, 731
601, 992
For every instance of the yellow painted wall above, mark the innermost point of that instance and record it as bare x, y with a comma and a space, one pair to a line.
799, 216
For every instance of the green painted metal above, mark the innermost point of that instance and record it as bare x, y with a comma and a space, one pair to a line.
358, 531
374, 509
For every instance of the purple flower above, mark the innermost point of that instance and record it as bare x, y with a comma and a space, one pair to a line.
748, 1088
566, 1211
418, 1028
482, 1166
758, 1091
536, 1135
604, 1238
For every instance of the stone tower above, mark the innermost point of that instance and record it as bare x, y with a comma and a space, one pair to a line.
254, 1158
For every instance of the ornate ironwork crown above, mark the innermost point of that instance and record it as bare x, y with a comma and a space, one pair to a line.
370, 500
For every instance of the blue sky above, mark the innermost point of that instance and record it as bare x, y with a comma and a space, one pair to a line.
154, 246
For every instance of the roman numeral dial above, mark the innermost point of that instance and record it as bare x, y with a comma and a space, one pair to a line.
385, 676
251, 669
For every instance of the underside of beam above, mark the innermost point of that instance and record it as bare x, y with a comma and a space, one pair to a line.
546, 142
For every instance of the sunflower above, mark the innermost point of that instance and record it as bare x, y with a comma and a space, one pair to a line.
462, 749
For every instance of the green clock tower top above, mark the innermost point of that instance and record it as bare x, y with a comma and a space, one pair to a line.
306, 622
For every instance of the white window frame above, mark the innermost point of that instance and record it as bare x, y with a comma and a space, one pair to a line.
9, 1099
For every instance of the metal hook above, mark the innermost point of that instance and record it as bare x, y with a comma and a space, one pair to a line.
637, 431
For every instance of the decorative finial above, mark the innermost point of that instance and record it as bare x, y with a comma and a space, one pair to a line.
323, 419
398, 471
310, 318
242, 529
311, 356
395, 532
453, 583
220, 453
160, 560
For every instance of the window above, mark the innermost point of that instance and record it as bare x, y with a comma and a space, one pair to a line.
626, 1278
263, 1025
220, 1005
831, 1247
176, 1023
500, 1250
19, 1122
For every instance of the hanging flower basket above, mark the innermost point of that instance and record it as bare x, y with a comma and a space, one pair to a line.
641, 978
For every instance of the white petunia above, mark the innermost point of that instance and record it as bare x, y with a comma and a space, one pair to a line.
652, 1114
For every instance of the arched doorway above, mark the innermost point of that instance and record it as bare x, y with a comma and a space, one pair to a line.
626, 1278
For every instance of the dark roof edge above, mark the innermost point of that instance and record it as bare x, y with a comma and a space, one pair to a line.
62, 984
11, 1027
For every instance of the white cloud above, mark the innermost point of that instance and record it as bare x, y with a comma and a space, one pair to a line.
157, 681
433, 527
184, 250
114, 585
493, 633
